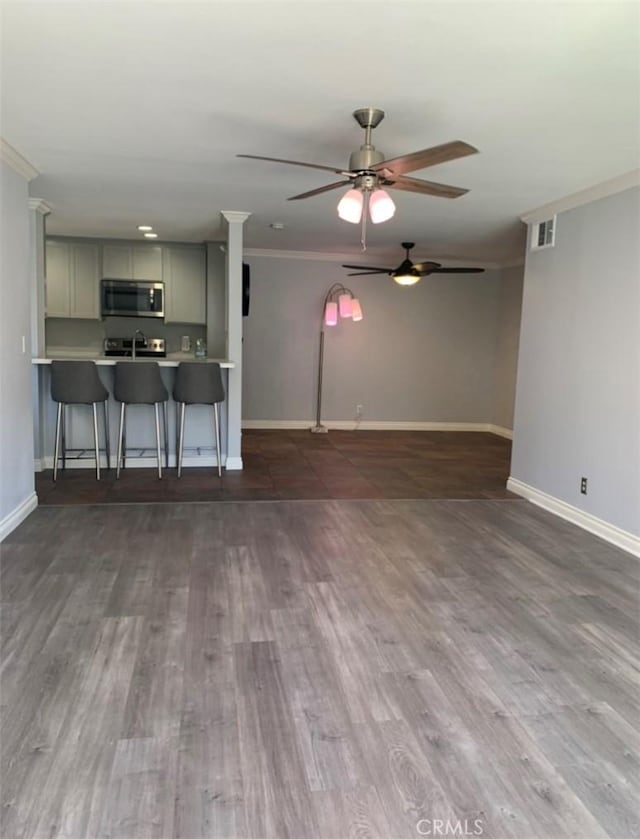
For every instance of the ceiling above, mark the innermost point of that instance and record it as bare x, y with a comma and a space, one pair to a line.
134, 112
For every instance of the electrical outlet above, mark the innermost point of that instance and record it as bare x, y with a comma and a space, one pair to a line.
359, 411
583, 486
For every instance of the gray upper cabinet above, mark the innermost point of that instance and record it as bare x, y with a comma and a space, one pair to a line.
124, 262
74, 271
72, 280
58, 280
185, 281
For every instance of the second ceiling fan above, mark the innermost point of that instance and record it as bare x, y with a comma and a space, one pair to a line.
408, 272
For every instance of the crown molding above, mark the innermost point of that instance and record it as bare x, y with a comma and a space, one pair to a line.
517, 262
234, 216
40, 206
315, 256
17, 162
321, 256
585, 196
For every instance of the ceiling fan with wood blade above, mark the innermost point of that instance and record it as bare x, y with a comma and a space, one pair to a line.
368, 169
408, 272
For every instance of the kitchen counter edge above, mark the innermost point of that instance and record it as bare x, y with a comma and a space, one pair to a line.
104, 361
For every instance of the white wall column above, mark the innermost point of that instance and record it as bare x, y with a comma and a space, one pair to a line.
233, 282
38, 210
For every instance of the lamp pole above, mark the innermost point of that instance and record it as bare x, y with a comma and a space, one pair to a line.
318, 428
335, 290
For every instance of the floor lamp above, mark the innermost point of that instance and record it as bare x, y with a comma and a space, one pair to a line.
340, 302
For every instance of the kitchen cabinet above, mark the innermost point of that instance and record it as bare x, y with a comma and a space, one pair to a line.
124, 262
74, 271
58, 279
72, 280
185, 282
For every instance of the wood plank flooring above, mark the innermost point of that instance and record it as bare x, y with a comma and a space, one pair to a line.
281, 465
317, 670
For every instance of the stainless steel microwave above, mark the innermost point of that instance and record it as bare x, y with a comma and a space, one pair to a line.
132, 298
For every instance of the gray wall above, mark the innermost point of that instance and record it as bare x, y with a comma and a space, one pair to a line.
578, 394
507, 337
421, 354
216, 301
16, 423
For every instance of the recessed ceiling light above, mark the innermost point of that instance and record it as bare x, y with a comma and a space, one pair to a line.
151, 235
276, 225
145, 227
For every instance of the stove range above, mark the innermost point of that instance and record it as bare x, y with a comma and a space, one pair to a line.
145, 347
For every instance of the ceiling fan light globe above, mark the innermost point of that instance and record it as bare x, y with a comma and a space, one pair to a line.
406, 279
356, 310
381, 206
350, 206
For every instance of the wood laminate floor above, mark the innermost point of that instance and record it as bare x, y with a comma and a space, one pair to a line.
317, 670
282, 465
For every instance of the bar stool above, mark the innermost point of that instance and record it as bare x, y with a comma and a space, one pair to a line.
197, 383
140, 383
78, 383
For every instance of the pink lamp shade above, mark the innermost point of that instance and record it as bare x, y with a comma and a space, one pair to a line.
381, 207
356, 309
331, 313
350, 206
344, 305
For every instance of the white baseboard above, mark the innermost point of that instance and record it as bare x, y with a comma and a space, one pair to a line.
378, 425
274, 425
609, 532
500, 430
233, 464
15, 517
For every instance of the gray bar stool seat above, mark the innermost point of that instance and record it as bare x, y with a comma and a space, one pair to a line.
198, 383
78, 383
140, 383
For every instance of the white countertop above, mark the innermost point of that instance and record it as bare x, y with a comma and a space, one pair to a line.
172, 359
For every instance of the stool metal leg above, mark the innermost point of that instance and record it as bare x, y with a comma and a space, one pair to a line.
120, 436
64, 439
181, 438
177, 434
217, 430
155, 406
124, 438
166, 435
107, 448
94, 406
57, 443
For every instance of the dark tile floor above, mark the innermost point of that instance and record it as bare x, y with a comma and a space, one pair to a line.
297, 465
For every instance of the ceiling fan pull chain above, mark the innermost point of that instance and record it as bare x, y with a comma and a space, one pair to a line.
365, 211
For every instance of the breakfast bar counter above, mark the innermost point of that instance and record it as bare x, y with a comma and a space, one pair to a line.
199, 447
171, 360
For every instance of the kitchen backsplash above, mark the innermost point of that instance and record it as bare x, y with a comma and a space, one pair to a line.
90, 334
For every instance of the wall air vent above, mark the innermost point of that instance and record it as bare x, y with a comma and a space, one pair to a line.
544, 234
